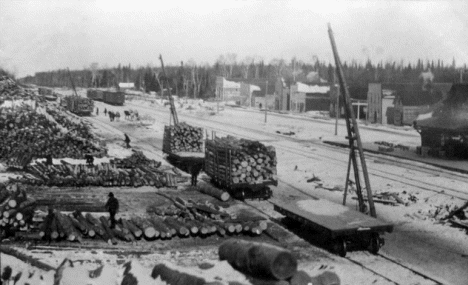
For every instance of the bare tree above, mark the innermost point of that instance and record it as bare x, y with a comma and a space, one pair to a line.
245, 66
231, 59
94, 71
195, 77
279, 65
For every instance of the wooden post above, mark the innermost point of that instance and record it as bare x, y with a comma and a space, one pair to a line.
337, 105
266, 106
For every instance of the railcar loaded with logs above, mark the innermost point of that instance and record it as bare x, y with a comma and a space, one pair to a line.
244, 167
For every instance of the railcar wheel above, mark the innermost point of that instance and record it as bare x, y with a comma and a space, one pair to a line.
340, 247
375, 244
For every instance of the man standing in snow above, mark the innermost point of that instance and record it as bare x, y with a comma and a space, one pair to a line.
127, 141
112, 206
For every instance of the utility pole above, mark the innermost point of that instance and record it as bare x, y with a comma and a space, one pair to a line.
266, 106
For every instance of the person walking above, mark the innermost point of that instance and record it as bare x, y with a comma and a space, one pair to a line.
97, 111
112, 206
127, 141
105, 111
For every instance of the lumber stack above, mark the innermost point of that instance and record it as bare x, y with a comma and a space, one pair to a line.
105, 174
16, 209
182, 138
231, 161
188, 217
26, 134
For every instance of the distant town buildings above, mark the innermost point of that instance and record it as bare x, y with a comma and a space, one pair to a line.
400, 104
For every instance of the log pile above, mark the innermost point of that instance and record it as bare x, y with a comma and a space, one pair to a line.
9, 90
26, 134
137, 158
105, 174
185, 217
230, 161
175, 222
182, 138
16, 210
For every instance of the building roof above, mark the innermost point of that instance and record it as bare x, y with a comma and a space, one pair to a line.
259, 82
230, 84
304, 88
126, 85
415, 94
451, 113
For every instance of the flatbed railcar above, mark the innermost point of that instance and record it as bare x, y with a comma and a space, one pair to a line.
341, 227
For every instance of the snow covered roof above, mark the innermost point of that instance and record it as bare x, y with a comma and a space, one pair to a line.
304, 88
126, 85
230, 84
254, 88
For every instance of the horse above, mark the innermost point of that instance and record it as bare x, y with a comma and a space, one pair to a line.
111, 115
128, 114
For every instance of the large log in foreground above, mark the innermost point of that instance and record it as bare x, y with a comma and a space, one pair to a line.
259, 260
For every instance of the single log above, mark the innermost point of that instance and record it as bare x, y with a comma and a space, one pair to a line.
128, 224
67, 227
181, 229
77, 225
260, 260
174, 277
109, 232
90, 229
95, 223
146, 226
160, 226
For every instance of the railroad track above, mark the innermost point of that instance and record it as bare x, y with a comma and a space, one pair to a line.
418, 181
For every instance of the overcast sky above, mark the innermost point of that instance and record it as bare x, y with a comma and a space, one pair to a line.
45, 35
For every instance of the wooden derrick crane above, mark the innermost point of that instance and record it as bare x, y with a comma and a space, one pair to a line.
353, 137
171, 99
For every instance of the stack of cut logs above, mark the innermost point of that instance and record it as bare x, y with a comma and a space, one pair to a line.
185, 217
136, 159
11, 91
16, 209
233, 161
182, 138
105, 174
189, 219
26, 134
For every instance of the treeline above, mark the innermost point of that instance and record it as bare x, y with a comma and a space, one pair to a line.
198, 81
